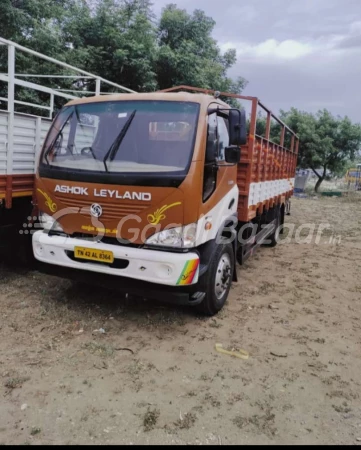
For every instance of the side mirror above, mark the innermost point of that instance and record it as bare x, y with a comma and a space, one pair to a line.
232, 154
237, 127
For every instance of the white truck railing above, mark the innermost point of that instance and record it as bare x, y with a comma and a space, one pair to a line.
22, 135
13, 79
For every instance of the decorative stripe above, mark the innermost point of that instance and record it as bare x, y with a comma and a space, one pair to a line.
265, 190
49, 202
189, 272
158, 215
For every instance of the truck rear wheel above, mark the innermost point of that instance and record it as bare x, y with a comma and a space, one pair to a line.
218, 280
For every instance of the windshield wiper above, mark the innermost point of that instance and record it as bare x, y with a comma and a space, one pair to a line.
118, 140
56, 137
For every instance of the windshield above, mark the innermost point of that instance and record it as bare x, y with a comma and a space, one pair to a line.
123, 137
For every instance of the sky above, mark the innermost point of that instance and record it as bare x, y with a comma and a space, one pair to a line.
294, 53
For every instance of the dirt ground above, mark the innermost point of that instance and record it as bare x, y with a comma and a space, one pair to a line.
154, 376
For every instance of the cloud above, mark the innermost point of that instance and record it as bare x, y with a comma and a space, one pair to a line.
313, 81
353, 39
305, 54
291, 49
355, 27
270, 48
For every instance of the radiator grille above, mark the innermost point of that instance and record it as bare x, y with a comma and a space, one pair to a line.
111, 210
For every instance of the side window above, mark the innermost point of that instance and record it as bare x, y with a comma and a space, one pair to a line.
218, 138
210, 170
223, 137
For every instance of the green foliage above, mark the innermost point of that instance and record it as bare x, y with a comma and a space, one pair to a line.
326, 142
116, 40
350, 164
119, 40
38, 25
188, 54
275, 129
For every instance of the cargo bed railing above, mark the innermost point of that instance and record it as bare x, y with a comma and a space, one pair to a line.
256, 104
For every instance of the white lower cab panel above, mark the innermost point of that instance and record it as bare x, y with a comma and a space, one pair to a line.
173, 269
215, 218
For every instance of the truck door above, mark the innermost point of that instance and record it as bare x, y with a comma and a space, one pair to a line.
218, 137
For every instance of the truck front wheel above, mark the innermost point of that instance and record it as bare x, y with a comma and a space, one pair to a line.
218, 279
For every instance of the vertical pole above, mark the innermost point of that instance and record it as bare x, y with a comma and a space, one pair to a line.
37, 140
252, 125
51, 106
11, 75
97, 87
282, 141
292, 143
250, 150
267, 157
11, 98
268, 126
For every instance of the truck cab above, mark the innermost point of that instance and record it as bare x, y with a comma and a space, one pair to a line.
139, 190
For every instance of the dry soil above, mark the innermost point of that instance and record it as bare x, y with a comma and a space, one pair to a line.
154, 376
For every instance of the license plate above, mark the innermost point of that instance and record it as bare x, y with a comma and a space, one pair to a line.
94, 255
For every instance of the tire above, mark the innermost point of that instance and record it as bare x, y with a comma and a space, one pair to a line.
218, 287
274, 237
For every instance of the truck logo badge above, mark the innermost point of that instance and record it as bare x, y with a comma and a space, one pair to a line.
49, 202
158, 215
96, 210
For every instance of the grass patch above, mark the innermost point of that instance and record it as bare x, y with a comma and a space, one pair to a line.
187, 422
263, 423
150, 419
35, 430
99, 349
16, 382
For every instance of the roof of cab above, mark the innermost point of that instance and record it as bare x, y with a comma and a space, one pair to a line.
165, 96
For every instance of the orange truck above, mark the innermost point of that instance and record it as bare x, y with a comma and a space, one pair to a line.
160, 194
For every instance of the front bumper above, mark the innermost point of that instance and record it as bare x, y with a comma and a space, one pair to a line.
153, 266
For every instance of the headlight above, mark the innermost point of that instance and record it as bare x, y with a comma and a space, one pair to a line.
189, 235
49, 223
180, 237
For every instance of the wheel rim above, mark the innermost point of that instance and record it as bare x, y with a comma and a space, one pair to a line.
223, 275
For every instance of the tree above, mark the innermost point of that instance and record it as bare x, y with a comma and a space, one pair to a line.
119, 40
326, 142
21, 19
350, 164
275, 129
189, 55
36, 24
